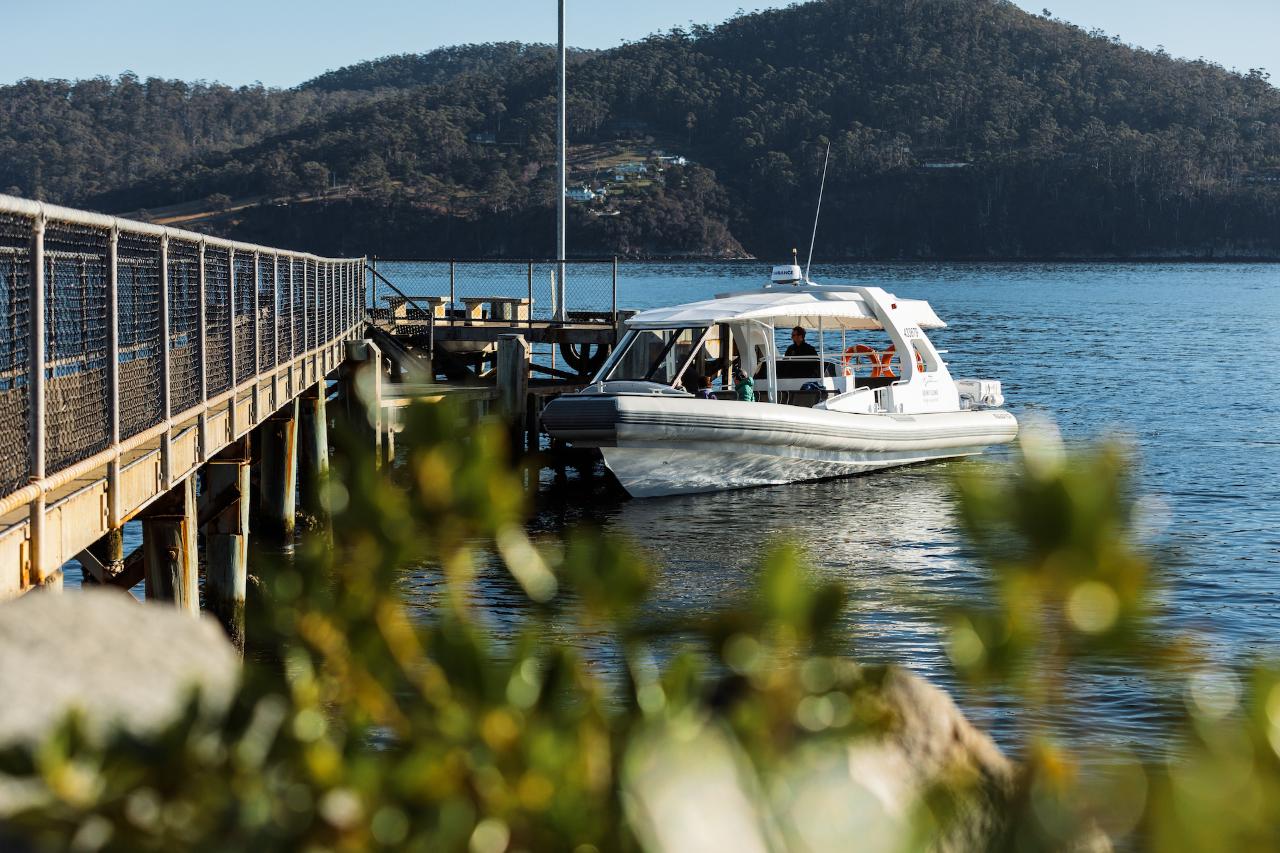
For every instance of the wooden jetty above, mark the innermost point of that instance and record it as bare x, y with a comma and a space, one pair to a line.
153, 374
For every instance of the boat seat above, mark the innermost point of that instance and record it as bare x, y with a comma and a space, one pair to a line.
874, 381
804, 367
807, 399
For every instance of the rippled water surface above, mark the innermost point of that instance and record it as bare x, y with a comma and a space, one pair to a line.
1181, 358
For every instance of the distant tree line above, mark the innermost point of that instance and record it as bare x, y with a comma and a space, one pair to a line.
958, 128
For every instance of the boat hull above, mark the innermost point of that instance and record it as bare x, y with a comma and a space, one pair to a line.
662, 446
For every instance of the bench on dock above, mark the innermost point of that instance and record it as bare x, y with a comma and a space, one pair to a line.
507, 309
399, 305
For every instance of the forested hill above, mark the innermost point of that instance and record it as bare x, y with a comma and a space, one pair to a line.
435, 68
958, 128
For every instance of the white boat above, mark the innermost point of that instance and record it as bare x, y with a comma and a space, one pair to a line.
850, 408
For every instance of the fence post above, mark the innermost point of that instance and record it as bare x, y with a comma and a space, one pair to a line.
562, 292
531, 294
257, 307
203, 344
167, 404
306, 311
231, 315
362, 309
275, 311
452, 299
293, 323
613, 313
255, 329
275, 330
35, 378
113, 373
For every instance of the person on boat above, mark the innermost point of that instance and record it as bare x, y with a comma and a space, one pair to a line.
744, 385
799, 346
705, 392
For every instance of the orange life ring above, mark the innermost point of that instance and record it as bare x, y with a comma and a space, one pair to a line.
884, 367
854, 356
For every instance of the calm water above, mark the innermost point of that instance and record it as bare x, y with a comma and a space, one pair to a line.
1179, 357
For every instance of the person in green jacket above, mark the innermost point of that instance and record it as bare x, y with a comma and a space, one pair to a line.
744, 385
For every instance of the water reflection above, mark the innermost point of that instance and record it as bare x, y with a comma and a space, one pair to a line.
1095, 347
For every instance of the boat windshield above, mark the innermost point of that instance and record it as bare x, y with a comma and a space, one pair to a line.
655, 355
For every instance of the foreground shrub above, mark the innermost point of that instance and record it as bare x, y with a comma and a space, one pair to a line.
359, 727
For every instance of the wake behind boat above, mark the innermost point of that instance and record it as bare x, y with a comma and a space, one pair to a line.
764, 418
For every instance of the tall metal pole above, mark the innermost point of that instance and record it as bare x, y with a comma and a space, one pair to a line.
561, 177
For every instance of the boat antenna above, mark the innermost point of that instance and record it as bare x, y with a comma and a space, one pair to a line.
817, 212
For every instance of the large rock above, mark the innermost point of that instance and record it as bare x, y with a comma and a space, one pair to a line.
120, 662
931, 781
931, 746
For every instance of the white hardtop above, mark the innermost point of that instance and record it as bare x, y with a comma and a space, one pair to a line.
832, 307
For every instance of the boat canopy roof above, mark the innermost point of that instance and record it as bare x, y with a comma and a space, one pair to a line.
811, 307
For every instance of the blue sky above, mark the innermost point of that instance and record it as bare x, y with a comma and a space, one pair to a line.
283, 42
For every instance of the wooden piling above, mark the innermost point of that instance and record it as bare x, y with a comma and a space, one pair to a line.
227, 538
363, 390
532, 424
313, 448
513, 383
169, 548
109, 554
278, 472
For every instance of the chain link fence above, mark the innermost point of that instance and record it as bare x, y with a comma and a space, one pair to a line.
590, 287
76, 346
184, 324
217, 320
267, 311
298, 290
15, 352
244, 291
104, 290
138, 299
312, 289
